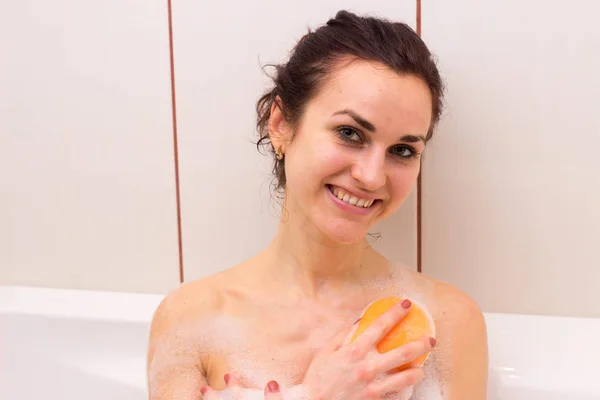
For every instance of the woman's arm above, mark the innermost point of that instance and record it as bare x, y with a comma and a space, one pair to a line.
463, 351
175, 361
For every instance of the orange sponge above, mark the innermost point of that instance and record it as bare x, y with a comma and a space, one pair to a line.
416, 324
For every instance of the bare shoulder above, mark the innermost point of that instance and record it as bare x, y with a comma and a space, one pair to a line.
177, 350
457, 307
447, 303
186, 306
462, 352
190, 300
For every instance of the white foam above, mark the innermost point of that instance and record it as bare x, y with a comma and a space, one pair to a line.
237, 394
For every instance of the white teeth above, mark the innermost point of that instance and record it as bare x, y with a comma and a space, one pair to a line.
355, 201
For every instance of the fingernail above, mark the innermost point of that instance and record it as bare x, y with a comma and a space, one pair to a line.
203, 390
227, 377
406, 304
432, 341
273, 386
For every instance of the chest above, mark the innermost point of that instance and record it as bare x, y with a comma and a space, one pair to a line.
279, 343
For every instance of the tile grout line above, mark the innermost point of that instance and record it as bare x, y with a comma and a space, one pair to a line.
419, 184
175, 142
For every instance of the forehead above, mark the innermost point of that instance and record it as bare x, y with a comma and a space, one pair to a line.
379, 94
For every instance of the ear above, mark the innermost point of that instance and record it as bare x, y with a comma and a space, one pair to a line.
280, 132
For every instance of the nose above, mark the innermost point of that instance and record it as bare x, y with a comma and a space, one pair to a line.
369, 170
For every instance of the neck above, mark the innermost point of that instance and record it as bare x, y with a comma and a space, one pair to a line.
308, 262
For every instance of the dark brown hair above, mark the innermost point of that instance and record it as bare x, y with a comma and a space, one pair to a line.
318, 53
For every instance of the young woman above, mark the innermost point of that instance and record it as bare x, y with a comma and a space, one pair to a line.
347, 120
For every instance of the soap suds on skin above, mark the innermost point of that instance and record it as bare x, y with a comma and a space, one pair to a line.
178, 354
232, 339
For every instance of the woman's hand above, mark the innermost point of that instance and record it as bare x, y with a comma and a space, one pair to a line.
357, 371
235, 391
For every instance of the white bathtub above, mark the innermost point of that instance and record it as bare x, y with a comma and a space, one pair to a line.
75, 345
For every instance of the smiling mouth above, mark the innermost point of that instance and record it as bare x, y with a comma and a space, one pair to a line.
350, 199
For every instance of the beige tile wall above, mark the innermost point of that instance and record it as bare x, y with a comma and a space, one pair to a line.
86, 145
87, 195
511, 188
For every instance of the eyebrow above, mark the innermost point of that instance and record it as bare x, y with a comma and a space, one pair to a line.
370, 127
359, 120
412, 138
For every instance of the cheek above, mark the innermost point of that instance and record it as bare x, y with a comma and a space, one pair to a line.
402, 182
331, 161
314, 162
303, 170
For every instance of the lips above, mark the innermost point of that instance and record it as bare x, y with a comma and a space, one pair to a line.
349, 198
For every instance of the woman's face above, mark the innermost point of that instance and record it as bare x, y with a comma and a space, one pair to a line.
355, 155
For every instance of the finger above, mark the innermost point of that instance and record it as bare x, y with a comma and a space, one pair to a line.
404, 354
383, 324
272, 391
232, 380
339, 339
397, 382
208, 393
